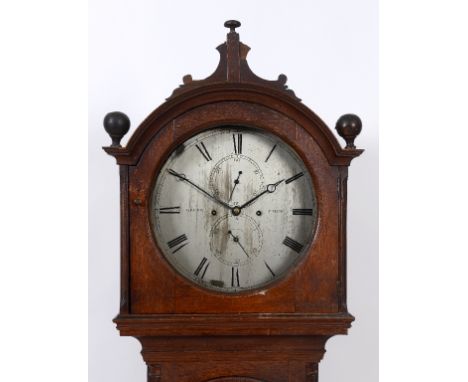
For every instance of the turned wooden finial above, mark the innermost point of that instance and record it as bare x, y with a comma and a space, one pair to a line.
349, 126
117, 125
232, 25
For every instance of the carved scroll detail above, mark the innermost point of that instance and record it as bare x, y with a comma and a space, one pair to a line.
233, 68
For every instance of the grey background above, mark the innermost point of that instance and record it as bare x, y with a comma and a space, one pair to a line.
138, 54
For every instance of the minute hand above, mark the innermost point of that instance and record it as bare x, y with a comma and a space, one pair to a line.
182, 177
269, 188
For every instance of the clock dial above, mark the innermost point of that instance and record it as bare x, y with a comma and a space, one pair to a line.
233, 209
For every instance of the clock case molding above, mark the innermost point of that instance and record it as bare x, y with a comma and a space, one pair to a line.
274, 334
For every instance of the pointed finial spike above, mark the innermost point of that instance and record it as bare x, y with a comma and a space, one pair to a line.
232, 25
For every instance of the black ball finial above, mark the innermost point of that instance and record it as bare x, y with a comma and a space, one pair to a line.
232, 25
117, 125
349, 126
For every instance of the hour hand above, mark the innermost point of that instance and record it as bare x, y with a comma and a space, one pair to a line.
183, 177
269, 188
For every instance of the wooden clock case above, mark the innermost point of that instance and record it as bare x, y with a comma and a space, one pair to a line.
189, 334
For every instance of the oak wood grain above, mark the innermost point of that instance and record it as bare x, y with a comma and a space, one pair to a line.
276, 334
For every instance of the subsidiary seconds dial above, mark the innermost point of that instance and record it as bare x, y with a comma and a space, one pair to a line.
233, 209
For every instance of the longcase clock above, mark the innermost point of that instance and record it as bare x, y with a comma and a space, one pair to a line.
233, 228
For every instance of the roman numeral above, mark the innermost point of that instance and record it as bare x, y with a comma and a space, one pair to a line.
178, 240
293, 178
271, 271
271, 152
202, 268
217, 283
293, 244
204, 151
238, 147
302, 211
234, 277
169, 210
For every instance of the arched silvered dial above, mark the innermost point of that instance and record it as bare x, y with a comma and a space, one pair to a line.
233, 209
